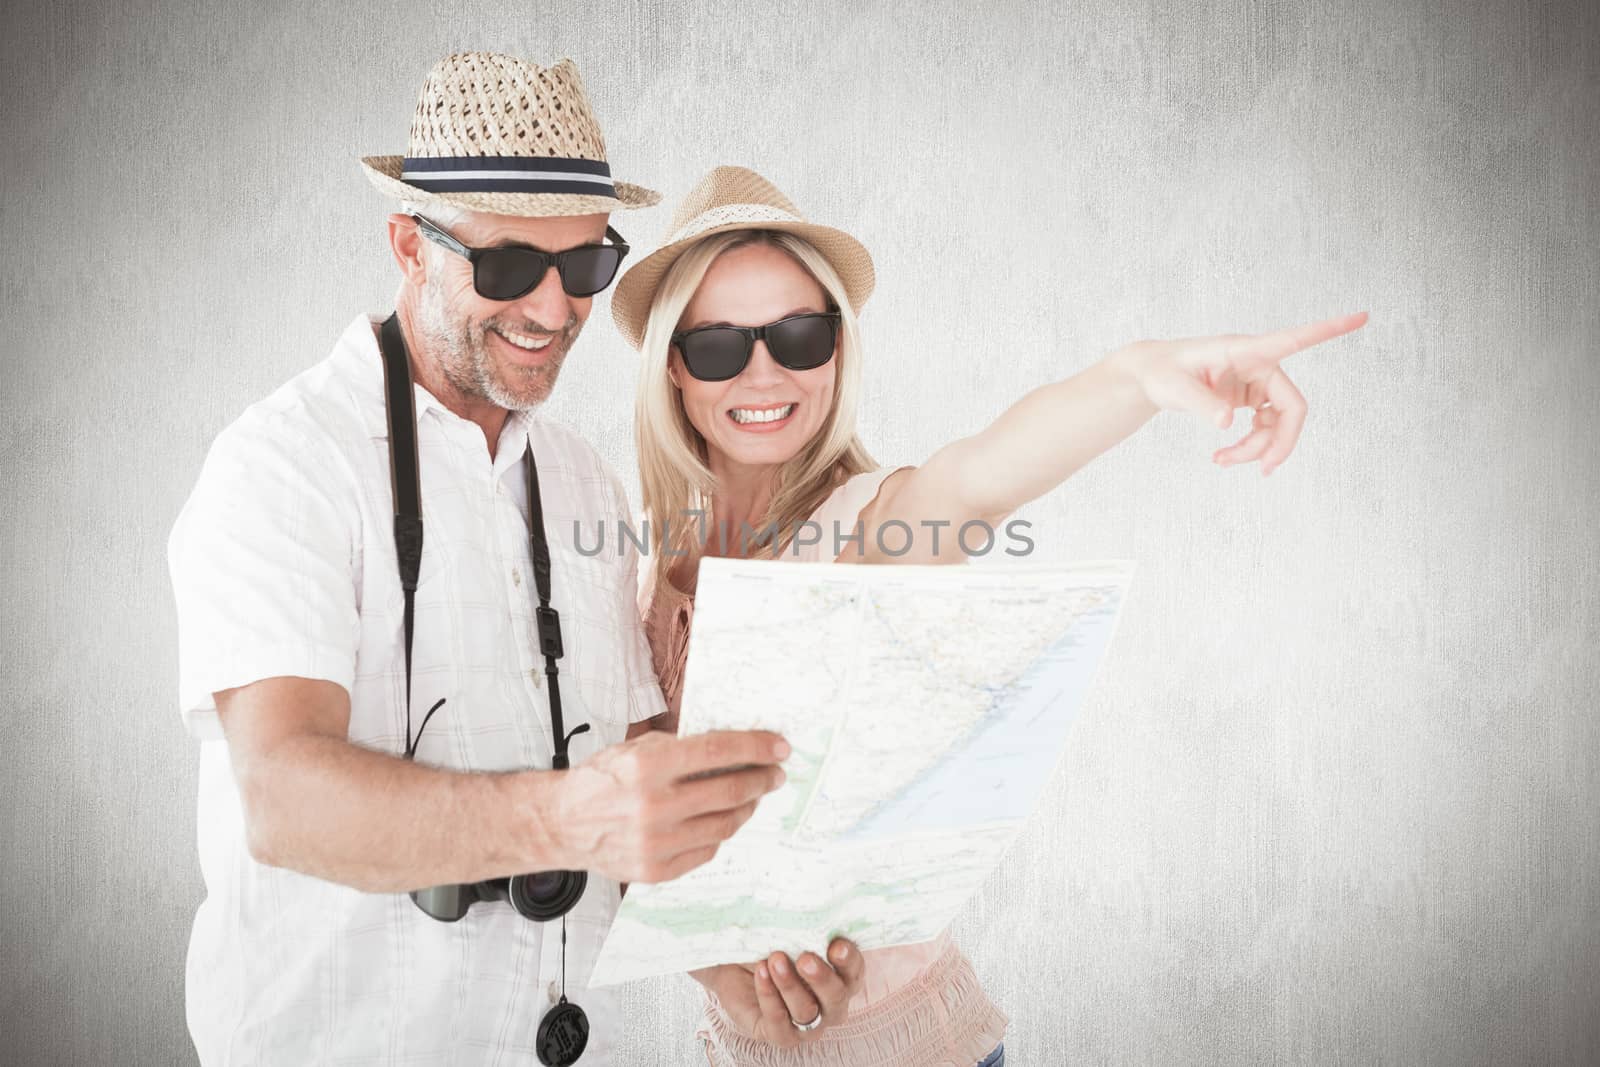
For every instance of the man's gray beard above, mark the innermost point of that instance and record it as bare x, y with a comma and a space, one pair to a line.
465, 362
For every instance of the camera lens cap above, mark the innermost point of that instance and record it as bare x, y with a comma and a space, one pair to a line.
563, 1034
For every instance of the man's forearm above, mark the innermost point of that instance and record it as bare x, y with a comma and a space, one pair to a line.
334, 810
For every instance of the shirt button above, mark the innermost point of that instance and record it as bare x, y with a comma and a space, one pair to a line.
516, 576
554, 992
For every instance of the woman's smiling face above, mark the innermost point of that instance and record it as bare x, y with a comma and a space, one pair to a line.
767, 413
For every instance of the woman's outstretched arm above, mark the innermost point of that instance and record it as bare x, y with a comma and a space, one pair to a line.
1048, 435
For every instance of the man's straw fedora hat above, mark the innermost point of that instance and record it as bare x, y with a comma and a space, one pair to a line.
498, 134
734, 198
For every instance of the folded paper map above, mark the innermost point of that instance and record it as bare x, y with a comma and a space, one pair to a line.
925, 706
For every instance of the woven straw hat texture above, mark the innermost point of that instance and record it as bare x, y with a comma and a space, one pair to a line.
734, 198
486, 104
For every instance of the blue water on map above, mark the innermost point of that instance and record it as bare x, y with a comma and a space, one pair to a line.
996, 773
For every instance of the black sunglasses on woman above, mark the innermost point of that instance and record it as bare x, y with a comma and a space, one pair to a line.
799, 342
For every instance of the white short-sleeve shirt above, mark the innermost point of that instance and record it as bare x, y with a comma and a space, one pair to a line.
283, 563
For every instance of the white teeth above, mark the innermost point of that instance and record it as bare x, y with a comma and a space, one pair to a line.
520, 341
746, 415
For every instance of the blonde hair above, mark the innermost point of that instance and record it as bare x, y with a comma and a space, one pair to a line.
673, 471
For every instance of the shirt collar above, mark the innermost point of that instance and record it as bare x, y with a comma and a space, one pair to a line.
360, 362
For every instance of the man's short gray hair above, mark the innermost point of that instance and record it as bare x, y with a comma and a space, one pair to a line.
438, 212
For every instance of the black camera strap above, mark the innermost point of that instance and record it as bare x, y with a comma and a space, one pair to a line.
546, 617
406, 482
564, 1031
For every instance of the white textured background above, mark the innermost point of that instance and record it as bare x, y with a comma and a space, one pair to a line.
1336, 798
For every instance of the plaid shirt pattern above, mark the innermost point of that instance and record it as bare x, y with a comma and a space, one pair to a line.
283, 563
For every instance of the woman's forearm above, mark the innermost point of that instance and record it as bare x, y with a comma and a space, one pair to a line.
1052, 432
666, 722
1041, 440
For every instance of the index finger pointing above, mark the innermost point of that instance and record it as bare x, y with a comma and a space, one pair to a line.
1281, 343
721, 750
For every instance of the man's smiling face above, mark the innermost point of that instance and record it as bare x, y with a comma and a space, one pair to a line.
504, 352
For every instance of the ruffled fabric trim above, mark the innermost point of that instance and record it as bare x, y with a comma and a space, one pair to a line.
670, 664
942, 1018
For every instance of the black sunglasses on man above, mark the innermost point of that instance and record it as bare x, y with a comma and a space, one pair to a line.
507, 272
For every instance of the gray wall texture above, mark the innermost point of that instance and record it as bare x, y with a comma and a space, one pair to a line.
1336, 798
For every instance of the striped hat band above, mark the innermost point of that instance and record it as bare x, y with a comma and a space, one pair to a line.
508, 174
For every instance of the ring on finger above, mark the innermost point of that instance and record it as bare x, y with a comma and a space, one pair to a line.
812, 1025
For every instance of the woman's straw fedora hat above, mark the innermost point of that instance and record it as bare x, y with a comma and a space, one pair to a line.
734, 198
498, 134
